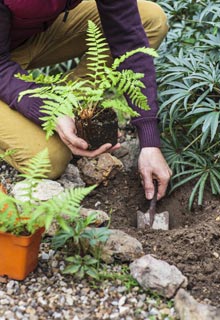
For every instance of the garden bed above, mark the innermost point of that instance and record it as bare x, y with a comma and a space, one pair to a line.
193, 241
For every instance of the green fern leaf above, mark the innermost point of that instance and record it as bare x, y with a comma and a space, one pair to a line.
118, 61
96, 47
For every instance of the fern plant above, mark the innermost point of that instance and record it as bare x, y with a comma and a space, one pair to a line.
24, 217
105, 86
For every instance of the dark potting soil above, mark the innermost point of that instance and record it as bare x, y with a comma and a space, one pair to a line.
100, 129
193, 241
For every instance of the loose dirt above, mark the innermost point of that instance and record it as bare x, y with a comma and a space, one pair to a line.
193, 241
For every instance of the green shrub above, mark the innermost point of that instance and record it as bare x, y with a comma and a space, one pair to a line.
188, 73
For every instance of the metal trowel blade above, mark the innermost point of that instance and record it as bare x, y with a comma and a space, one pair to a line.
161, 220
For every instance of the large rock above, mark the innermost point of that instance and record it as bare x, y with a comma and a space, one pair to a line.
189, 309
121, 246
71, 178
45, 190
102, 217
128, 154
157, 275
99, 169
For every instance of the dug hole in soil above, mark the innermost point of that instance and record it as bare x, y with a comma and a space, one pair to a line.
193, 241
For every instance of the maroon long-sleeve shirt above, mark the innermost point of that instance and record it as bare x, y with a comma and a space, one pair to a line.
123, 30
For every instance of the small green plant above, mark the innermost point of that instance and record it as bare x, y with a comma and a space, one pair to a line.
82, 266
86, 245
105, 86
25, 217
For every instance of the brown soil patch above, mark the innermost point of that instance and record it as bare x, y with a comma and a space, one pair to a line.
192, 243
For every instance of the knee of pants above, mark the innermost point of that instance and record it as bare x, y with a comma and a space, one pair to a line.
58, 161
154, 21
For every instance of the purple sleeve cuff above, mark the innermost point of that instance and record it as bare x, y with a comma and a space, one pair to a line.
148, 132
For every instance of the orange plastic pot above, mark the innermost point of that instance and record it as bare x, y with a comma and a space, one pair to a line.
2, 188
19, 254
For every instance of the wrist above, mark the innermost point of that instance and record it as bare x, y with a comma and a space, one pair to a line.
148, 132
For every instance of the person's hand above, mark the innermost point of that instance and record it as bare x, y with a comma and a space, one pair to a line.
66, 129
152, 165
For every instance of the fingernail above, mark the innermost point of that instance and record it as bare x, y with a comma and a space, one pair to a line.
84, 145
149, 195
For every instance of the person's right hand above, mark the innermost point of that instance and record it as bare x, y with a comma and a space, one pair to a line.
66, 129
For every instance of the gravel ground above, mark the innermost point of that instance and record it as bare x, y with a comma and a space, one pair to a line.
48, 294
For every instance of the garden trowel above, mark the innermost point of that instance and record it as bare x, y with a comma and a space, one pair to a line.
151, 218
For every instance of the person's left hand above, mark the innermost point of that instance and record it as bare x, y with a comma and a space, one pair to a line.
66, 129
152, 165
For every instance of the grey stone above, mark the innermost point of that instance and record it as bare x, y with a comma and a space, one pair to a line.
71, 178
128, 153
121, 246
157, 275
45, 190
102, 217
189, 309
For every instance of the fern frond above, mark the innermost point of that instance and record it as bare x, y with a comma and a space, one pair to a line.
53, 111
7, 153
37, 92
38, 166
128, 82
60, 100
120, 106
42, 78
67, 203
8, 212
150, 51
97, 46
36, 169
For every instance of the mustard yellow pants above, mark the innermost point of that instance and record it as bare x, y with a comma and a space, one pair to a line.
61, 42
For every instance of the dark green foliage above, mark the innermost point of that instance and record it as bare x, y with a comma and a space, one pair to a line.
82, 266
85, 246
188, 72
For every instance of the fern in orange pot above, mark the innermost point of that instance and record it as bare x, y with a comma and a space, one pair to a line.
22, 223
20, 235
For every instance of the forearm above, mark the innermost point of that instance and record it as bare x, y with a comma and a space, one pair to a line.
9, 85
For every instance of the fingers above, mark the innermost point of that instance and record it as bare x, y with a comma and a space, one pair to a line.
94, 153
72, 141
115, 147
152, 165
147, 182
163, 181
77, 143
